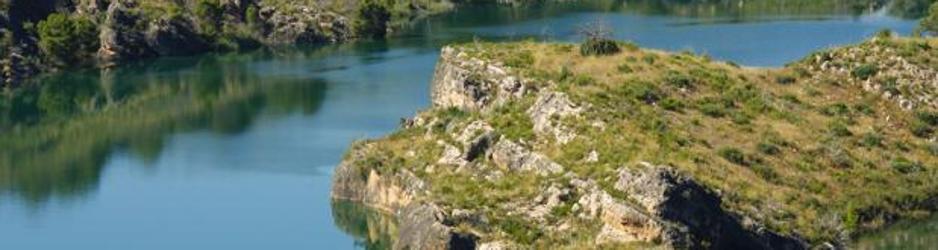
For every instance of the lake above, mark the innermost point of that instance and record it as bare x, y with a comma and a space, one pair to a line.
236, 150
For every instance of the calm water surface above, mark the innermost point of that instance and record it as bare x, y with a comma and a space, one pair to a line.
236, 151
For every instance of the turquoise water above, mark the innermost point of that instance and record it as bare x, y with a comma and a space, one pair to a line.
236, 151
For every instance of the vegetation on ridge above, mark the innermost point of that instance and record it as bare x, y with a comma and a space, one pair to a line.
802, 151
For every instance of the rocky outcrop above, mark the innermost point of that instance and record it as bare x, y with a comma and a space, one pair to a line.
303, 25
422, 228
468, 83
547, 113
121, 40
676, 199
421, 225
879, 66
633, 204
514, 157
174, 37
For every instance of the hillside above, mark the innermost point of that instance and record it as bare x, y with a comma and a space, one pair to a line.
534, 144
47, 35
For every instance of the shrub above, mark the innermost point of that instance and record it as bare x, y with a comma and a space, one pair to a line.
66, 39
678, 79
766, 172
865, 71
884, 34
599, 47
839, 157
733, 155
921, 129
905, 166
371, 20
643, 91
836, 109
715, 110
597, 41
872, 140
929, 24
625, 68
650, 58
785, 79
864, 108
672, 104
839, 129
208, 13
930, 118
768, 148
251, 15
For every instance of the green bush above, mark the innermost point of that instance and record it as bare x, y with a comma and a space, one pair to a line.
672, 104
766, 172
599, 47
865, 71
929, 24
921, 129
785, 79
768, 148
371, 20
733, 155
678, 79
839, 129
836, 109
872, 140
251, 15
930, 118
905, 166
643, 91
66, 39
208, 13
714, 110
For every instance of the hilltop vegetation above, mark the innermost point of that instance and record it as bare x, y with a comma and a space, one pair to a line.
820, 150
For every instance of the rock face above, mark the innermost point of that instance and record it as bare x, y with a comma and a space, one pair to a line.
120, 38
305, 25
174, 37
909, 84
423, 228
679, 200
421, 225
472, 84
637, 204
548, 110
514, 157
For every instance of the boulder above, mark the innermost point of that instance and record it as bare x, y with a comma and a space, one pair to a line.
512, 156
547, 113
421, 227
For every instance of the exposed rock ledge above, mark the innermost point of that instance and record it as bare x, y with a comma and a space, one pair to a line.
653, 204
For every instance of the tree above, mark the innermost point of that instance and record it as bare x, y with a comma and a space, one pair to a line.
929, 24
67, 39
372, 20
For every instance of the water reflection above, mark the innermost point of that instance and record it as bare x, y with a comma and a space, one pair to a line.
905, 235
57, 136
371, 229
